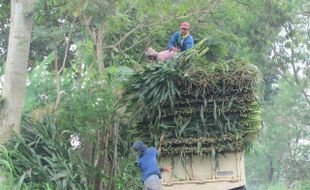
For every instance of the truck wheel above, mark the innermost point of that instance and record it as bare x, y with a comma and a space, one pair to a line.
240, 188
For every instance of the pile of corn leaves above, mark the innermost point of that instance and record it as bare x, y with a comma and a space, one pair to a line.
188, 105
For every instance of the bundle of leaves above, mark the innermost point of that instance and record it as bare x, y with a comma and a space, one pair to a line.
188, 105
43, 158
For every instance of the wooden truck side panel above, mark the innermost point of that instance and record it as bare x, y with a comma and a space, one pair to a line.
195, 172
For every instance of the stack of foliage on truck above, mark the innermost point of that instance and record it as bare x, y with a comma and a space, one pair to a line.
190, 105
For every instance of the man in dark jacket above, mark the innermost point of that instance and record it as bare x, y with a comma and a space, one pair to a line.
181, 40
148, 165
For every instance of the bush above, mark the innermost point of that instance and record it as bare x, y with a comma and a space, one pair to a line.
42, 158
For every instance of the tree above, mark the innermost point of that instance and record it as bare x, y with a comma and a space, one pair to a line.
283, 147
282, 135
16, 67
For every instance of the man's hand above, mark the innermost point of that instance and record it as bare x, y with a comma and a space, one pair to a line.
167, 169
174, 49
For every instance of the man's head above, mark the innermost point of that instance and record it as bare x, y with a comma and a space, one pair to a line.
184, 28
139, 147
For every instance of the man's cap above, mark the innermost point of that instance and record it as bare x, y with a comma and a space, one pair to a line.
139, 146
185, 25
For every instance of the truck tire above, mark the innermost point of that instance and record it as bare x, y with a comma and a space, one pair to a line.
240, 188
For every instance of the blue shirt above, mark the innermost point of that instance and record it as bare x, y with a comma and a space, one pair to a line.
183, 44
148, 163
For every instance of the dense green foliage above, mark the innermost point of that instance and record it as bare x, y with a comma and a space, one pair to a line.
43, 157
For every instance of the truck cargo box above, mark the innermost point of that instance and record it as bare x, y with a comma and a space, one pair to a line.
202, 172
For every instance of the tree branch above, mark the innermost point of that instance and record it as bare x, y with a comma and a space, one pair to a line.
307, 14
141, 26
294, 84
89, 28
57, 82
136, 43
295, 72
59, 71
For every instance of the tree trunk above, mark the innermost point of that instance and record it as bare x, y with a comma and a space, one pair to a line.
99, 49
114, 158
16, 67
270, 172
103, 143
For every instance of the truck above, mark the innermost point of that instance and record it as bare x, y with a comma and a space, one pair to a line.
202, 114
203, 172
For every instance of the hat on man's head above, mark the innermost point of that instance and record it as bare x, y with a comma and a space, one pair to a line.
139, 147
185, 25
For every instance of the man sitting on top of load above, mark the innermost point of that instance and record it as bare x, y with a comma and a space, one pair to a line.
180, 41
